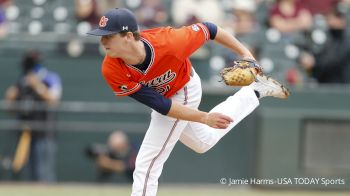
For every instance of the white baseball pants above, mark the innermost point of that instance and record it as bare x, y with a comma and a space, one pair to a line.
164, 132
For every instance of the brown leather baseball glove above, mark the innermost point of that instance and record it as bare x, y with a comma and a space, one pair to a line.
241, 72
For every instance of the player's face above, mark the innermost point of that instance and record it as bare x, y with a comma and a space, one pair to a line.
113, 45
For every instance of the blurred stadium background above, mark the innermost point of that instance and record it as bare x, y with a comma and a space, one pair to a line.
306, 136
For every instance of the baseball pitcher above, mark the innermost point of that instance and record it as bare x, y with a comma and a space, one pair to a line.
153, 67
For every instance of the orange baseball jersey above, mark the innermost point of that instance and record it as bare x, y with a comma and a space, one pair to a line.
169, 67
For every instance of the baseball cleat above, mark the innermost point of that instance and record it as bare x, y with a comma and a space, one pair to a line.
267, 86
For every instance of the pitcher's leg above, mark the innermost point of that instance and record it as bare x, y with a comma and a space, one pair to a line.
201, 137
156, 147
238, 106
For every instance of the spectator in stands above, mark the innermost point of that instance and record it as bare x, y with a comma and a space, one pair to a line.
3, 23
186, 12
87, 10
37, 85
244, 18
244, 25
317, 6
118, 157
290, 16
152, 13
332, 63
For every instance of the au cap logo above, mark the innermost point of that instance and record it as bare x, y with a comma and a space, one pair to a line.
125, 28
103, 21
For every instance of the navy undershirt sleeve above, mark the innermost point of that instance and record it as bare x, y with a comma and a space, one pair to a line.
213, 29
152, 99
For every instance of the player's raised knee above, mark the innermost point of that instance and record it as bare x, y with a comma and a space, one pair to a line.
201, 150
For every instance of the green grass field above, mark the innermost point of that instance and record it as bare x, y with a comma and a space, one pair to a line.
10, 189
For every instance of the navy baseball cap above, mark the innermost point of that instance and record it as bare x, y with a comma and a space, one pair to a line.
115, 21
